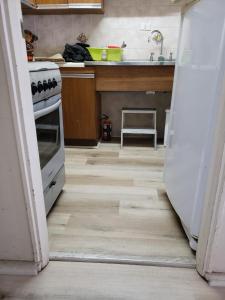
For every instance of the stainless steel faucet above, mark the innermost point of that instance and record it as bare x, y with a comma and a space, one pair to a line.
159, 39
157, 36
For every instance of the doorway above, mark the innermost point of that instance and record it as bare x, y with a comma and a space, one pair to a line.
36, 207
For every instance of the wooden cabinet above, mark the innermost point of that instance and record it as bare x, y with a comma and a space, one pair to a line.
81, 107
84, 2
28, 3
134, 78
46, 7
94, 4
40, 2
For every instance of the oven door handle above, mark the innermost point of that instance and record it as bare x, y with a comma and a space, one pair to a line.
45, 111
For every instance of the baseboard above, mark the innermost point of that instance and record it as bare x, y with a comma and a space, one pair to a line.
216, 279
80, 142
18, 268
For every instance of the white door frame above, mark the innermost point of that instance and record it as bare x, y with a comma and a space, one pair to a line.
15, 60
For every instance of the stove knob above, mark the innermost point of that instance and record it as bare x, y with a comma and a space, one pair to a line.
54, 82
40, 87
34, 88
50, 85
45, 85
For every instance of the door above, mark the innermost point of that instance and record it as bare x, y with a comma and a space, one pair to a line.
80, 107
48, 131
194, 110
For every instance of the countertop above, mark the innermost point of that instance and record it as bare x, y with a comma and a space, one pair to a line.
115, 63
71, 65
130, 63
124, 76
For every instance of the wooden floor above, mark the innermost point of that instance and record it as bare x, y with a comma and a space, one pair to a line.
84, 281
114, 209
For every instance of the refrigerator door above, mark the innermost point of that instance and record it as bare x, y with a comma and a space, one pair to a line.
194, 109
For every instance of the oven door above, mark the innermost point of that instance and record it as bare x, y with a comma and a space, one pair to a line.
49, 129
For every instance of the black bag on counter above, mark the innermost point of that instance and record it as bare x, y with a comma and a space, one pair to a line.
76, 53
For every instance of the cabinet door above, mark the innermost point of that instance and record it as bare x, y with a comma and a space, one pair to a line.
28, 3
86, 1
80, 107
82, 2
51, 1
32, 2
86, 4
58, 7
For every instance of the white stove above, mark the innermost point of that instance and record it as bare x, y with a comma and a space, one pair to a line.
46, 92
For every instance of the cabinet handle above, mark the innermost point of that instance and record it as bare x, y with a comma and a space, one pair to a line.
77, 75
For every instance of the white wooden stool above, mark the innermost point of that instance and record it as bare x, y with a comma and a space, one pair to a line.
147, 131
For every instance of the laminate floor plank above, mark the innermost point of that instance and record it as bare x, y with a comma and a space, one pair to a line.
128, 163
135, 174
121, 248
114, 206
84, 281
98, 180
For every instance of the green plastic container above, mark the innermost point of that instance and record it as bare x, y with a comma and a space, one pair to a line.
113, 54
96, 53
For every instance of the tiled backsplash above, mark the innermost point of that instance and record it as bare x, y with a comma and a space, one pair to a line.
124, 20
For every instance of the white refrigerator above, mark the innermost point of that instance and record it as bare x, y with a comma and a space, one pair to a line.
199, 77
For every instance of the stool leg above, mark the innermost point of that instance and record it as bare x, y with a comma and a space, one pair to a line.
155, 127
155, 138
122, 124
121, 144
